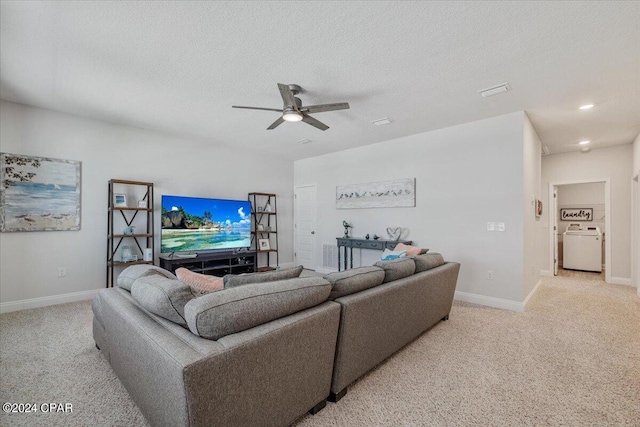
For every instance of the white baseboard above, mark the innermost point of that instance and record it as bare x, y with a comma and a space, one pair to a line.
620, 281
504, 304
546, 273
532, 293
26, 304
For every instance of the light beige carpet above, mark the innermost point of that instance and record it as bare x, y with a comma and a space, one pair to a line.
573, 359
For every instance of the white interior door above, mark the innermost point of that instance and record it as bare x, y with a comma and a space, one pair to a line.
305, 223
554, 208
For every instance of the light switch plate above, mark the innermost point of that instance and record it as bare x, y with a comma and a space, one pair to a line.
501, 226
491, 226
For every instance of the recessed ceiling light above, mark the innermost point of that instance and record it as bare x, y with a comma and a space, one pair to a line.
584, 142
490, 91
586, 107
383, 121
304, 141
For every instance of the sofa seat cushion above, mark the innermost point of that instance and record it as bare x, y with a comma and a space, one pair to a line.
397, 269
233, 310
428, 261
233, 280
163, 296
354, 280
199, 283
131, 273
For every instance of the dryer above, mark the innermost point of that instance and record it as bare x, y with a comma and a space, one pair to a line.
582, 248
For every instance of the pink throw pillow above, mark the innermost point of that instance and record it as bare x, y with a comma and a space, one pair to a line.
411, 250
199, 283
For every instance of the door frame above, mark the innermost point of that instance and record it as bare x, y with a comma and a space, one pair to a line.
295, 224
635, 232
607, 221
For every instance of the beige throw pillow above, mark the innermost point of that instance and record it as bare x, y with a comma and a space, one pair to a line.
199, 283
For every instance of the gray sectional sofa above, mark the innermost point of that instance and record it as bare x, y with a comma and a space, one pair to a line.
266, 352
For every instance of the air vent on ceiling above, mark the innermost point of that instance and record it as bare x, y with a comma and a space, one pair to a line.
495, 90
304, 141
383, 121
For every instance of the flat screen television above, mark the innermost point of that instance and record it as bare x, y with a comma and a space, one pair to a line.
194, 224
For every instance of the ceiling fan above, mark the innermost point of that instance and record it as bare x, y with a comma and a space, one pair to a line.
293, 111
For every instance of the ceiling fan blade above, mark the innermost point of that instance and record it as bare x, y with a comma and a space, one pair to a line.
325, 107
287, 96
313, 122
276, 124
257, 108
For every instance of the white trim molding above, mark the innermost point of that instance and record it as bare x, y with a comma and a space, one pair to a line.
531, 294
620, 281
545, 273
504, 304
26, 304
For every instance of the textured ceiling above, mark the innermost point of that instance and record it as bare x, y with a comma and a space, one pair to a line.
179, 66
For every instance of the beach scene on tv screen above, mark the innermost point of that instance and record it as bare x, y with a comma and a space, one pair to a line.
198, 224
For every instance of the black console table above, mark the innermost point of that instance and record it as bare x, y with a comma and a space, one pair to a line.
359, 243
216, 264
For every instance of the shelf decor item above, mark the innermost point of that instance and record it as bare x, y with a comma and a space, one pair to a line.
142, 203
120, 200
264, 245
39, 193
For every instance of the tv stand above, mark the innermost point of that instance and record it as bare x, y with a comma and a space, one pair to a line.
215, 264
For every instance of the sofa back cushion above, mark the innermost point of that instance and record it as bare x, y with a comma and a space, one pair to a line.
162, 296
427, 261
397, 269
354, 280
233, 310
233, 280
133, 272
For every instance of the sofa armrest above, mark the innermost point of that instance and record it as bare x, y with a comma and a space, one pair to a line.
377, 322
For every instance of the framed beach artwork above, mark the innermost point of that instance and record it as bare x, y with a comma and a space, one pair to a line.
385, 194
39, 193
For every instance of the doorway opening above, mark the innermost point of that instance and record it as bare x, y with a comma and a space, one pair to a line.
584, 205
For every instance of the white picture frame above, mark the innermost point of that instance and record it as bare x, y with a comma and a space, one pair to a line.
264, 245
120, 200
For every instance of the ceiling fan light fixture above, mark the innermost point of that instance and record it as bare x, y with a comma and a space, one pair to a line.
292, 116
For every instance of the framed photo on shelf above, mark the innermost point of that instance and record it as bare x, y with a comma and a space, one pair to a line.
142, 203
260, 227
120, 200
263, 244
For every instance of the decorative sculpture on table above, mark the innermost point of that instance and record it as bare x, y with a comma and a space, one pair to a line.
394, 233
346, 226
376, 237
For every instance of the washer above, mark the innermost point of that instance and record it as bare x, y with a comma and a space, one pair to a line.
582, 248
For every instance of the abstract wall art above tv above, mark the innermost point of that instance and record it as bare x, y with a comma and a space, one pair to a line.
195, 224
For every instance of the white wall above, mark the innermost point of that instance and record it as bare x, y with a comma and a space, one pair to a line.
29, 260
466, 175
614, 163
531, 162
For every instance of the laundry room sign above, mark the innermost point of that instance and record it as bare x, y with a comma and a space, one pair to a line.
582, 214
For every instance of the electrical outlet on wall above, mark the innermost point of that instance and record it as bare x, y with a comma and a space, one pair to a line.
62, 272
489, 275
